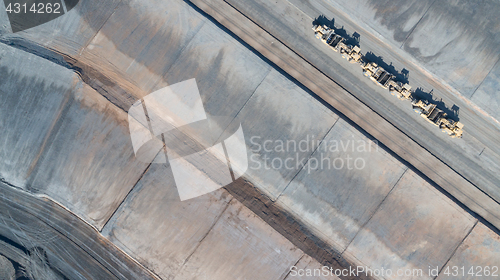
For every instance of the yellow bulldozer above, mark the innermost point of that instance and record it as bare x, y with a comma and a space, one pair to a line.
434, 115
377, 74
328, 36
400, 90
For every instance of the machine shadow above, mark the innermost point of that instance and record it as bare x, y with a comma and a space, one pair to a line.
400, 76
349, 39
453, 112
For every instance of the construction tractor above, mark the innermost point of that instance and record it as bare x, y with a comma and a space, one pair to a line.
335, 41
377, 74
351, 53
438, 118
400, 90
428, 111
321, 30
328, 36
453, 128
386, 80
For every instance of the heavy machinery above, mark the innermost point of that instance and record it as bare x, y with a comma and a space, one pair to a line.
351, 53
453, 128
320, 30
377, 74
400, 90
428, 111
329, 37
432, 114
337, 43
381, 77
